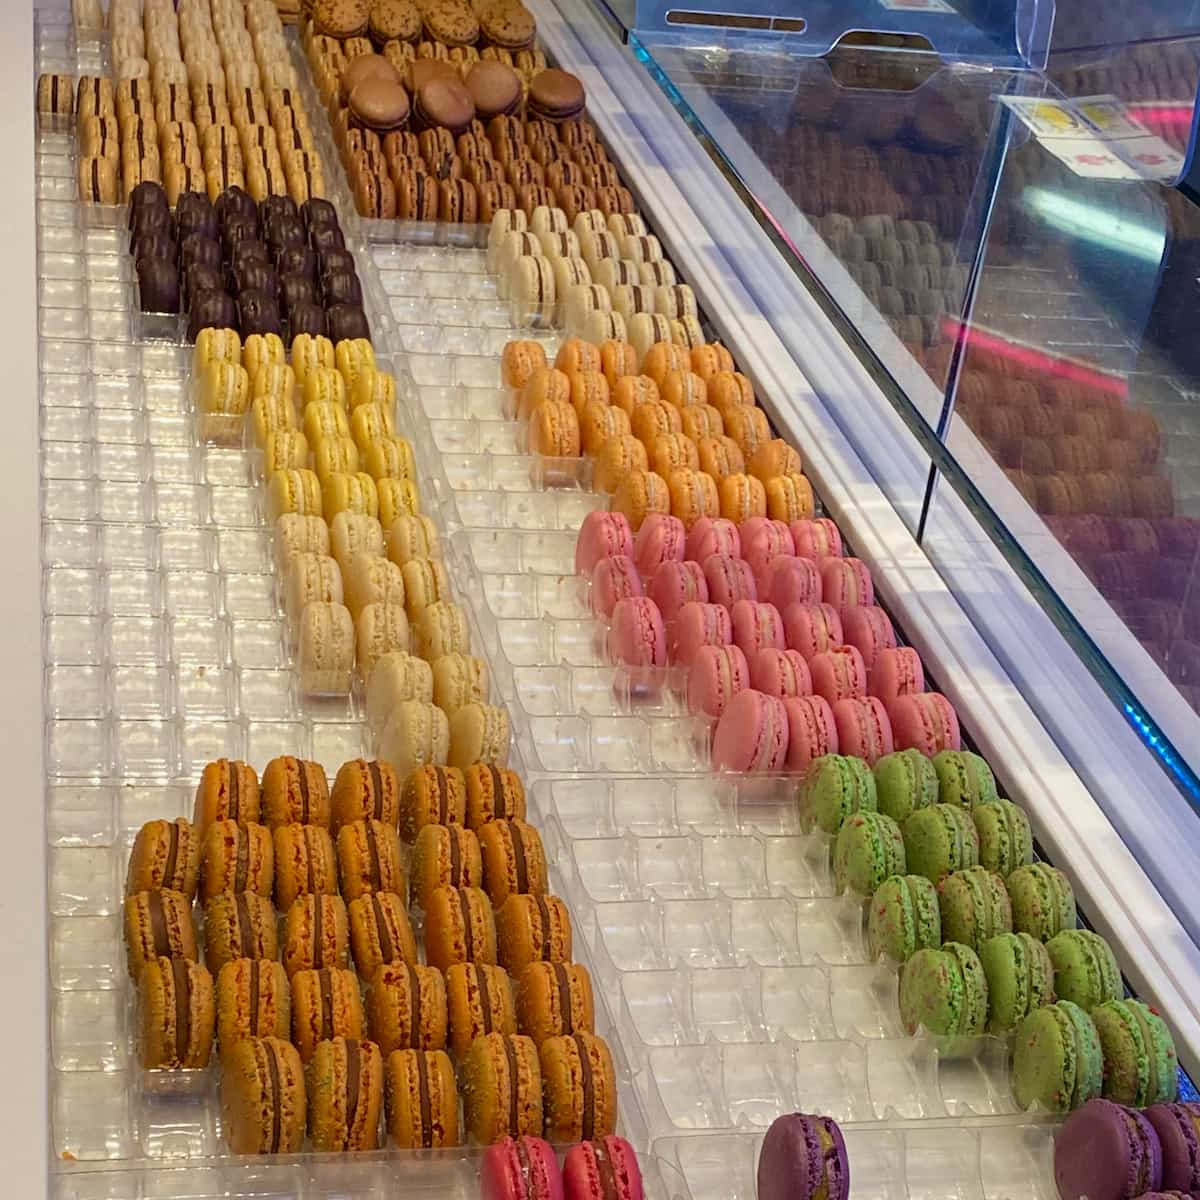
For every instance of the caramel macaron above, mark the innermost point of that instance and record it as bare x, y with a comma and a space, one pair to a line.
241, 926
579, 1088
502, 1088
532, 928
254, 999
344, 1081
294, 791
228, 790
237, 858
158, 925
165, 855
514, 860
479, 1000
178, 1013
316, 934
380, 932
263, 1103
406, 1007
444, 856
326, 1003
459, 927
432, 795
304, 863
492, 793
421, 1099
365, 790
554, 1000
369, 860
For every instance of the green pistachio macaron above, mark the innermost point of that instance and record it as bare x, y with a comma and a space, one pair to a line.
1042, 900
1140, 1064
939, 840
975, 906
904, 782
944, 991
904, 917
1085, 968
1005, 839
835, 786
1057, 1060
963, 778
869, 848
1020, 979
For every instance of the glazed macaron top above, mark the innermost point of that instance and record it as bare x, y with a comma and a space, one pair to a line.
495, 88
380, 103
555, 95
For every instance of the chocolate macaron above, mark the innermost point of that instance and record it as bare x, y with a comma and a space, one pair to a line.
316, 934
325, 1004
444, 101
495, 89
554, 1000
241, 926
228, 790
579, 1088
237, 858
459, 927
158, 924
294, 790
479, 1001
555, 96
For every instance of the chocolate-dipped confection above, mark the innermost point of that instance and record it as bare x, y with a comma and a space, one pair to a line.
258, 312
335, 260
444, 101
196, 219
278, 206
555, 96
325, 238
197, 249
147, 195
202, 278
284, 230
239, 229
318, 212
307, 318
191, 203
211, 310
495, 88
154, 240
235, 201
295, 290
158, 285
297, 260
347, 321
254, 276
341, 287
251, 250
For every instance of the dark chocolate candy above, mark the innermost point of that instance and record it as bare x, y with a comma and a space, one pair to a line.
154, 243
146, 196
211, 310
307, 318
297, 260
279, 206
239, 229
201, 278
158, 285
283, 231
336, 260
347, 321
295, 290
258, 312
250, 250
194, 214
325, 238
197, 249
318, 213
254, 276
235, 201
341, 287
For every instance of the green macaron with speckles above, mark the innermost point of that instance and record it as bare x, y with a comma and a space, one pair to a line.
1020, 979
869, 848
1043, 901
1005, 839
939, 840
1085, 968
964, 778
904, 782
1057, 1060
975, 906
945, 992
903, 918
1140, 1063
835, 787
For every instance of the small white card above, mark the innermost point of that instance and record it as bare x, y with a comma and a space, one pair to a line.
1047, 118
925, 6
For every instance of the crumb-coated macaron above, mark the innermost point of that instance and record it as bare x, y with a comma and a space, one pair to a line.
326, 1003
444, 856
254, 999
316, 934
421, 1099
493, 793
460, 926
514, 860
1141, 1066
579, 1087
263, 1102
1043, 900
369, 860
502, 1088
532, 928
241, 926
940, 839
835, 787
975, 906
1005, 839
554, 1000
380, 932
294, 791
406, 1007
178, 1012
304, 862
237, 858
365, 790
964, 778
903, 918
944, 991
165, 854
479, 1001
344, 1081
228, 790
1020, 978
868, 849
1057, 1061
479, 733
1085, 968
432, 795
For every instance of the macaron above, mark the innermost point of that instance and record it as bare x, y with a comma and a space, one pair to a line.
675, 584
1105, 1151
368, 855
316, 933
904, 782
812, 628
1085, 968
615, 578
294, 792
846, 582
964, 778
1020, 979
365, 790
263, 1102
479, 733
781, 673
1057, 1061
869, 628
944, 992
712, 535
834, 788
1005, 839
502, 1088
579, 1087
864, 729
406, 1008
787, 579
493, 793
896, 671
514, 860
1140, 1062
975, 906
698, 624
756, 626
241, 926
717, 674
752, 734
554, 1000
380, 932
533, 928
421, 1099
432, 795
253, 999
839, 674
344, 1081
1043, 900
165, 854
459, 927
1178, 1129
803, 1158
445, 856
178, 1014
903, 918
479, 1001
868, 849
729, 580
228, 790
458, 679
637, 635
237, 858
524, 1168
812, 731
940, 839
817, 538
304, 862
325, 1004
925, 721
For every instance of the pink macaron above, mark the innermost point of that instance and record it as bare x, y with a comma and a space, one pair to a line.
729, 580
712, 535
870, 629
926, 722
675, 584
897, 672
606, 1169
839, 674
817, 538
787, 579
699, 625
752, 734
780, 673
637, 636
523, 1168
717, 674
812, 730
614, 578
660, 539
812, 628
846, 582
601, 535
763, 540
756, 627
863, 728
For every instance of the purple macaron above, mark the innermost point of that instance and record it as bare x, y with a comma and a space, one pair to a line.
1106, 1151
1178, 1129
800, 1155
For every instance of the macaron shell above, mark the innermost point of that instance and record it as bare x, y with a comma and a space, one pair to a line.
607, 1167
869, 848
580, 1088
1057, 1061
638, 636
1043, 900
717, 674
1178, 1129
752, 734
905, 781
780, 673
925, 722
863, 728
812, 628
903, 918
812, 731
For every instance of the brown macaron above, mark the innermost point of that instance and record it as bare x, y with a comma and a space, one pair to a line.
479, 1000
380, 105
316, 934
228, 790
444, 100
406, 1007
294, 791
380, 933
165, 854
254, 999
263, 1104
363, 68
365, 790
177, 1014
495, 89
555, 96
158, 925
